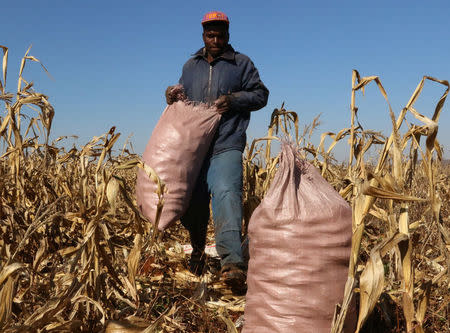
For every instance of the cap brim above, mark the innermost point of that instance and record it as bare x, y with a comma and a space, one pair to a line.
218, 21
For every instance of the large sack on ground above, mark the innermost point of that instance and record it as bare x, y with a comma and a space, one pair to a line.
176, 150
300, 244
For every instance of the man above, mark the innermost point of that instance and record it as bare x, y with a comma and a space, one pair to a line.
220, 76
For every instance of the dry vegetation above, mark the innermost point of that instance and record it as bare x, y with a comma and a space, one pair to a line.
75, 254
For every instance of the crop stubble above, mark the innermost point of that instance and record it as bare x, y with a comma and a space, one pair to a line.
76, 254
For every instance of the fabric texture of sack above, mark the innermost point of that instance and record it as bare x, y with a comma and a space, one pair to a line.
300, 244
176, 150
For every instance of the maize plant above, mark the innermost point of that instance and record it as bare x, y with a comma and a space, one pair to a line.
76, 255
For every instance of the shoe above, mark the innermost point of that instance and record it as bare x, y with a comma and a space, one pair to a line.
197, 263
234, 276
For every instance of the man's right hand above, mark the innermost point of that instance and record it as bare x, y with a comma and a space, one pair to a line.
170, 96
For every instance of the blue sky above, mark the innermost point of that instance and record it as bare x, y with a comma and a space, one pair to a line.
112, 60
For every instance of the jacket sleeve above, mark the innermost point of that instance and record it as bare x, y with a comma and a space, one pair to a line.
181, 80
254, 93
185, 80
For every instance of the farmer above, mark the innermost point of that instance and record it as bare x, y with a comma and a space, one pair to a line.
218, 75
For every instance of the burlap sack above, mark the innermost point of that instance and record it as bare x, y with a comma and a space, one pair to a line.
176, 150
300, 238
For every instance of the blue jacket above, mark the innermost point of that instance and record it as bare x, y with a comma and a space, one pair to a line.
233, 74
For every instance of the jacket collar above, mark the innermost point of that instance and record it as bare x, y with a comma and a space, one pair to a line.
228, 54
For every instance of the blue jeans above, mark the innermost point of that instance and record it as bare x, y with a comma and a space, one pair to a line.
221, 180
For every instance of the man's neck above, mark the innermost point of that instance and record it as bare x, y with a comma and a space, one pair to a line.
210, 58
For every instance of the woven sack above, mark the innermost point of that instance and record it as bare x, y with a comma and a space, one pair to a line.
176, 150
300, 244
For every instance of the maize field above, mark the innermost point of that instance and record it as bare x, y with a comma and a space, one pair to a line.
76, 255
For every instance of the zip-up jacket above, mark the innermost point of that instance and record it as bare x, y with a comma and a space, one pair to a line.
232, 74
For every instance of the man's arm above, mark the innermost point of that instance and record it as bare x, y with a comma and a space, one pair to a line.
254, 93
172, 95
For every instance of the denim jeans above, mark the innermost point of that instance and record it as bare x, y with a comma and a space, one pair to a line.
221, 180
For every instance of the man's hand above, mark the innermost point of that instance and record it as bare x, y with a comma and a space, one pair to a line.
170, 96
223, 104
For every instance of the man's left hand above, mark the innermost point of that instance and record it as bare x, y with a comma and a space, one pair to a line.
223, 104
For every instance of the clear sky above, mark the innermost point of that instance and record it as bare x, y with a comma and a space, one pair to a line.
112, 60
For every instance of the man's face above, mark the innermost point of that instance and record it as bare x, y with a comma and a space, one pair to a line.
215, 37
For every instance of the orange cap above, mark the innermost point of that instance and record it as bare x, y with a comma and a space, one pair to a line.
215, 16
